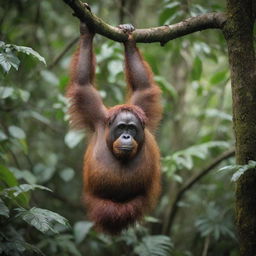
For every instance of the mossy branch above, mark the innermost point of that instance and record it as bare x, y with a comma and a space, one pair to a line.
161, 34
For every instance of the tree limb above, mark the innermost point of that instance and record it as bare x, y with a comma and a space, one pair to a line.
161, 34
190, 183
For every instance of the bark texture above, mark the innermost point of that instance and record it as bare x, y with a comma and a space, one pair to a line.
238, 32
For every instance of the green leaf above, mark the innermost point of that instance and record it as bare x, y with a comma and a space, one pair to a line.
21, 199
4, 210
65, 243
168, 12
72, 138
158, 245
3, 136
81, 229
18, 194
43, 173
40, 117
230, 168
16, 246
151, 219
6, 92
7, 177
240, 169
197, 9
240, 172
49, 77
24, 145
219, 114
166, 86
24, 174
197, 69
177, 178
17, 190
41, 219
8, 60
29, 51
2, 45
251, 163
218, 77
214, 222
24, 95
185, 158
115, 67
67, 174
16, 132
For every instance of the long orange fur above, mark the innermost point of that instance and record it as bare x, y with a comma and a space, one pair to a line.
136, 181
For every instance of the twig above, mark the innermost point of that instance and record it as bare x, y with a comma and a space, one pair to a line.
206, 245
190, 183
161, 34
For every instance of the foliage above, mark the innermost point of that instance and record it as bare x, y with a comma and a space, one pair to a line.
41, 160
13, 199
41, 219
186, 159
239, 169
154, 245
145, 244
8, 57
215, 223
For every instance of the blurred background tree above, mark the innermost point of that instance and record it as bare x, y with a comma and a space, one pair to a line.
39, 153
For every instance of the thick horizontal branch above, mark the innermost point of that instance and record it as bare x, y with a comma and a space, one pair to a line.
161, 34
166, 33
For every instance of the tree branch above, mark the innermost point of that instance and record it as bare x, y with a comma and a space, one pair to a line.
161, 34
190, 183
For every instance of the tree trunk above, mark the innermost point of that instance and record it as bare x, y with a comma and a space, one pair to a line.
238, 32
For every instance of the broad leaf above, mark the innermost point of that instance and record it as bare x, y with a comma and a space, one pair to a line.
239, 169
185, 158
17, 190
166, 86
197, 69
81, 229
218, 77
158, 245
43, 173
3, 136
6, 92
72, 138
41, 219
7, 177
67, 174
16, 132
29, 51
8, 60
168, 12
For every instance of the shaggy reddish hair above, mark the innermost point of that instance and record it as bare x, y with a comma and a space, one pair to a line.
137, 111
